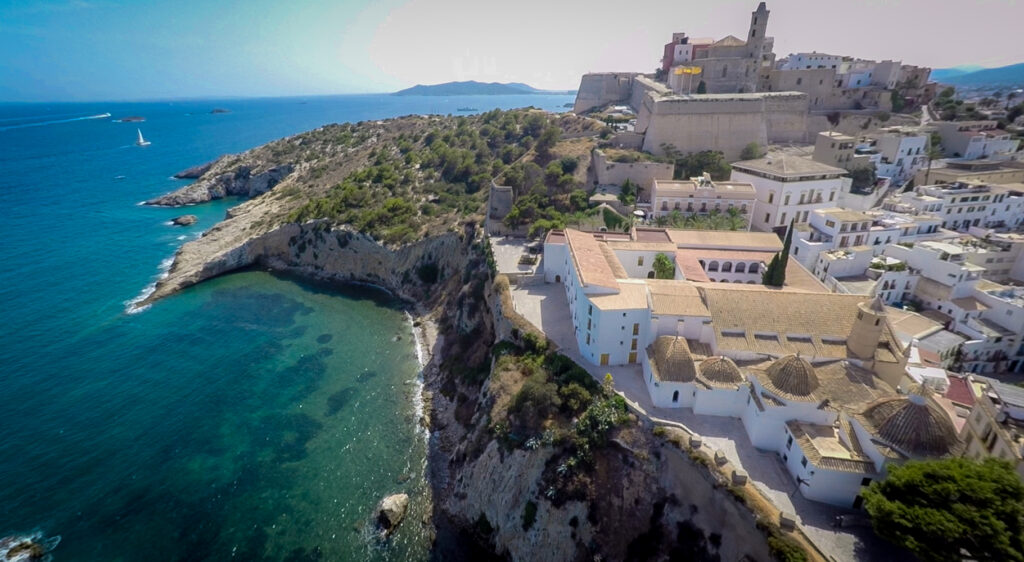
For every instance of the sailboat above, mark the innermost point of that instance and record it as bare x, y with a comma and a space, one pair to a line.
141, 141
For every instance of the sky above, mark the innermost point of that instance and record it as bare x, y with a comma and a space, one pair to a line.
78, 50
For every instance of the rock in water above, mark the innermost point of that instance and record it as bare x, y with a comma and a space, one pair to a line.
184, 220
195, 171
391, 512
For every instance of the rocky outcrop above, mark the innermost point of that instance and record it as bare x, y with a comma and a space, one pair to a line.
244, 181
195, 171
184, 220
391, 511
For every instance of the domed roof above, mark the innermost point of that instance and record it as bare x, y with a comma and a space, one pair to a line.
671, 360
793, 375
914, 424
720, 370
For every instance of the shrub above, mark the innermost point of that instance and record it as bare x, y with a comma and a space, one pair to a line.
751, 152
574, 397
536, 401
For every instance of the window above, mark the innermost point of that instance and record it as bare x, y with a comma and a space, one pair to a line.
632, 347
588, 339
865, 481
789, 442
636, 329
768, 217
640, 261
803, 462
785, 202
590, 309
799, 81
725, 70
783, 217
771, 196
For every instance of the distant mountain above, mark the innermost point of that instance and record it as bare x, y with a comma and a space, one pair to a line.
940, 74
473, 88
1012, 75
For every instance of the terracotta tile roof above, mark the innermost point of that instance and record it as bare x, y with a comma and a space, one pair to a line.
691, 268
824, 448
613, 262
720, 372
758, 311
914, 425
675, 298
729, 41
671, 360
651, 235
959, 391
590, 261
839, 384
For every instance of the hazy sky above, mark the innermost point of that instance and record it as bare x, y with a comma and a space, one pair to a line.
137, 49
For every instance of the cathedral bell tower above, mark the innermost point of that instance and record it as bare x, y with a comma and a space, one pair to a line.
758, 29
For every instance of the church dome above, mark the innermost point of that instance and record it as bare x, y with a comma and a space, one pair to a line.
671, 360
914, 424
720, 370
793, 375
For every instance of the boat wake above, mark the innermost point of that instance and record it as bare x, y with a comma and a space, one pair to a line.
54, 121
132, 306
32, 547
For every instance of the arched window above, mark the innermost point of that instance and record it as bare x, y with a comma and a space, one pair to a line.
754, 268
727, 267
741, 267
713, 266
675, 396
650, 274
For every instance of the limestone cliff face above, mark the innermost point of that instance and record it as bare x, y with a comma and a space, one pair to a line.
317, 250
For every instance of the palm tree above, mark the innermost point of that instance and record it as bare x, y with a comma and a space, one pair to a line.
735, 220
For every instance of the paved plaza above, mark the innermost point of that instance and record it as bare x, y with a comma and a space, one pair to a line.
545, 305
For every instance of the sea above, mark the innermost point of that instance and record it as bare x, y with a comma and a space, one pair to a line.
252, 417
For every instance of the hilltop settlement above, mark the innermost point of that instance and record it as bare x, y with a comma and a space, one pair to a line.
708, 314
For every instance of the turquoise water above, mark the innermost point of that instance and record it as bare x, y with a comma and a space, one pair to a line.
250, 417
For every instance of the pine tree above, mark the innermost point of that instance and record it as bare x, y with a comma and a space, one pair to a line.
775, 274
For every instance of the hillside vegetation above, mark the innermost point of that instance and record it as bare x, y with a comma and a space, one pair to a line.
432, 177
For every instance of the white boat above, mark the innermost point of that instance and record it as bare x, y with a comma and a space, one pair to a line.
141, 141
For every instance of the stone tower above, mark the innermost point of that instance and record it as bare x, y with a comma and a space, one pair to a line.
867, 329
758, 29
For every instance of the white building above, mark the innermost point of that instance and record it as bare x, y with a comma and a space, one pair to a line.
701, 196
971, 140
902, 154
811, 374
788, 188
995, 426
812, 60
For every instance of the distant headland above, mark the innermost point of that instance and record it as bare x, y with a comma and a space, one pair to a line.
474, 88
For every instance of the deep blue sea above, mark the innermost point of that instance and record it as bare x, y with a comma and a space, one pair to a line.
251, 417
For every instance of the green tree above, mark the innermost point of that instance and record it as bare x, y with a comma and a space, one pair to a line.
948, 92
775, 274
696, 163
751, 152
702, 88
628, 194
579, 200
864, 178
663, 267
952, 509
898, 103
548, 139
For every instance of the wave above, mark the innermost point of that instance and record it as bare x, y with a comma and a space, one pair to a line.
422, 357
27, 548
131, 306
55, 121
